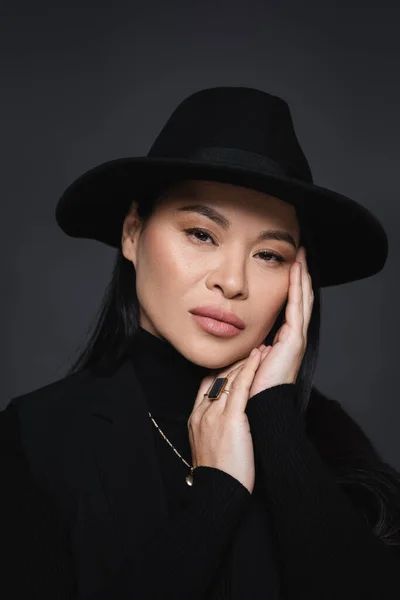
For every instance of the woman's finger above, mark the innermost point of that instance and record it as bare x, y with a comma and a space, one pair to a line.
308, 297
241, 384
294, 316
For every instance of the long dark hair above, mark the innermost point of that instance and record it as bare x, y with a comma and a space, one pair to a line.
371, 483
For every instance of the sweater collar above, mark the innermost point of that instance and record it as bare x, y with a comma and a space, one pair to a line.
169, 380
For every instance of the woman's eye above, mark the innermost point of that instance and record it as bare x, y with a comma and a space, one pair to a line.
195, 231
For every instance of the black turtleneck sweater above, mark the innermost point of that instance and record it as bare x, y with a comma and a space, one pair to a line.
296, 536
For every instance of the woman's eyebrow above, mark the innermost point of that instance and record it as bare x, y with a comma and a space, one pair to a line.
220, 219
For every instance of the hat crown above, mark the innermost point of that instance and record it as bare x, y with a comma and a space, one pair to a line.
239, 120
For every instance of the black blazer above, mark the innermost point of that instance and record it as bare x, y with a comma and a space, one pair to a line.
89, 444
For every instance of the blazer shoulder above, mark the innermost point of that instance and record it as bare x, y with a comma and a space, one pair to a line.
47, 430
64, 393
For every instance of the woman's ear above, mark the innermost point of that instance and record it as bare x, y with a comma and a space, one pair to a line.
131, 229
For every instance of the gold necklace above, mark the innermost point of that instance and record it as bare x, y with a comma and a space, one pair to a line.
214, 394
189, 478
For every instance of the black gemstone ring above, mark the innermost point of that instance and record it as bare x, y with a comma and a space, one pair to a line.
217, 388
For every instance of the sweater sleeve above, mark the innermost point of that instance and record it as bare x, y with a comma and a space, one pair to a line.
182, 560
326, 549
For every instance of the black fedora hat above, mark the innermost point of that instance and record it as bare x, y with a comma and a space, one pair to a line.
242, 136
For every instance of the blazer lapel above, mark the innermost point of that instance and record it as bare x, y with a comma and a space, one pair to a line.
126, 458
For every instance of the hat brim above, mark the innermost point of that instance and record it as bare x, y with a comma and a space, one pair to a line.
350, 241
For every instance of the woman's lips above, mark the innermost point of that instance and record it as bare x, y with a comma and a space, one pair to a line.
219, 328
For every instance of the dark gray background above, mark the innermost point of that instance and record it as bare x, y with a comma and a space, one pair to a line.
83, 84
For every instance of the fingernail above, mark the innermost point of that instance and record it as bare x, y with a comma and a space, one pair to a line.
253, 352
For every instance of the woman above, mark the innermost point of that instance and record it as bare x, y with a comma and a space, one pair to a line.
185, 466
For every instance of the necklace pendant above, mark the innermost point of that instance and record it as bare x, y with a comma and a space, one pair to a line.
189, 479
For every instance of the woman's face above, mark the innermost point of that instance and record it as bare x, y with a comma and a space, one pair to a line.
177, 270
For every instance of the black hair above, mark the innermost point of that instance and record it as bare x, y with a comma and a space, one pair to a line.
370, 482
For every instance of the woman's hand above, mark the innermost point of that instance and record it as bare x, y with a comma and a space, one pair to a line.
280, 363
